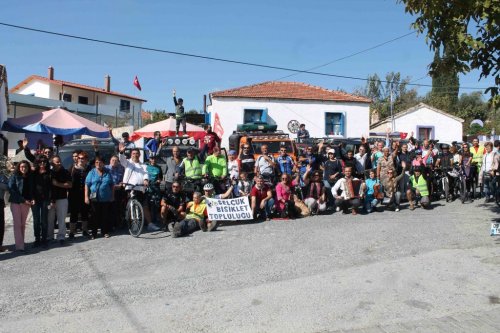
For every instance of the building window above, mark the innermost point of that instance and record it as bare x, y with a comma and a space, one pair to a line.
254, 116
66, 97
425, 133
83, 100
334, 123
124, 105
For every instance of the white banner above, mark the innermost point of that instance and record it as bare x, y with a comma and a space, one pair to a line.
229, 209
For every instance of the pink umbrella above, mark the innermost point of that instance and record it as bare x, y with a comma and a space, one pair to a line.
167, 128
56, 121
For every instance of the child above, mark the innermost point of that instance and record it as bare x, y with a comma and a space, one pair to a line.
370, 201
244, 186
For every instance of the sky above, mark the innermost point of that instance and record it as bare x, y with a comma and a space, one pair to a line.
293, 34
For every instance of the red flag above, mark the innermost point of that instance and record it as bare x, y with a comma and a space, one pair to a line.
137, 84
217, 126
403, 135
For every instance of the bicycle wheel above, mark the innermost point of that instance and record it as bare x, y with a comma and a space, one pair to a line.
135, 217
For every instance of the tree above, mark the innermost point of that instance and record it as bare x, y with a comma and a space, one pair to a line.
193, 111
467, 29
156, 115
445, 83
380, 94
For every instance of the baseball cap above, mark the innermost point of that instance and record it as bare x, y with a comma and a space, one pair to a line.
330, 151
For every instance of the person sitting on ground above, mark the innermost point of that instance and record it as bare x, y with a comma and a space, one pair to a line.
314, 191
348, 197
173, 204
196, 214
244, 186
417, 189
371, 184
262, 201
391, 190
285, 193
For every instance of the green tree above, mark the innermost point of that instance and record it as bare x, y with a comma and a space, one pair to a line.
468, 29
445, 83
156, 115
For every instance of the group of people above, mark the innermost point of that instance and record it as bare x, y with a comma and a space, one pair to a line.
323, 178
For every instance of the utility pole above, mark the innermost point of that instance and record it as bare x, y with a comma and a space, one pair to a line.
393, 125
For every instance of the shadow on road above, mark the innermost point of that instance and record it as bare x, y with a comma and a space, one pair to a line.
127, 313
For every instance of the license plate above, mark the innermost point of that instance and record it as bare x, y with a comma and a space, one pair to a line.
495, 229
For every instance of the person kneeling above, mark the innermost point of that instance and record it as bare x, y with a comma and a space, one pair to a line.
348, 197
392, 195
418, 190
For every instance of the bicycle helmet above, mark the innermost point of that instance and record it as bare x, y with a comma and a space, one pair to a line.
208, 187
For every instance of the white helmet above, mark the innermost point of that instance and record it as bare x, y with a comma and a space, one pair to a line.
208, 187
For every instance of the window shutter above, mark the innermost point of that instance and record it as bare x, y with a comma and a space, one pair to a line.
342, 124
208, 115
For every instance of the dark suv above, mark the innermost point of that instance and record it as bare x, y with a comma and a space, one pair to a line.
106, 149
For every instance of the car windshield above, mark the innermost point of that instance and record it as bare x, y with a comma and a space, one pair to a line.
273, 146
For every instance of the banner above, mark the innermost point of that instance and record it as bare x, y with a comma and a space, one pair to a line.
229, 209
218, 127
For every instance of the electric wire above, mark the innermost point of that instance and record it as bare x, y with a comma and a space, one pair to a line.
245, 63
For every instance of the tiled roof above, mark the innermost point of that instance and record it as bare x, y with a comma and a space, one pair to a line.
74, 85
290, 91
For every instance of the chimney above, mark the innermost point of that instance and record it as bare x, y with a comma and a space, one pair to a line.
107, 83
51, 73
204, 103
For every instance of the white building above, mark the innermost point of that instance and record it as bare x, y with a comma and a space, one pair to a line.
425, 122
288, 104
38, 92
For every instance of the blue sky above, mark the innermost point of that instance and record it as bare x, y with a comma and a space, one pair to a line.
295, 34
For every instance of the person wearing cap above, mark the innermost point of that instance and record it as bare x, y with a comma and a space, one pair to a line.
332, 171
153, 194
418, 189
418, 161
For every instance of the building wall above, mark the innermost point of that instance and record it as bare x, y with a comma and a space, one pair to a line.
39, 89
310, 113
446, 129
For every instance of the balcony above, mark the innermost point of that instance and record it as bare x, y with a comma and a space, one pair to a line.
46, 103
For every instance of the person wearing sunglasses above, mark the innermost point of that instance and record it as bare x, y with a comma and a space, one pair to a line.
173, 204
78, 209
468, 169
285, 162
246, 161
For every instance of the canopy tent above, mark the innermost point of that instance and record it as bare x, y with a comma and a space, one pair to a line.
167, 128
55, 121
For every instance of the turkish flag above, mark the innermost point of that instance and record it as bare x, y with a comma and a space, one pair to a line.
137, 84
403, 135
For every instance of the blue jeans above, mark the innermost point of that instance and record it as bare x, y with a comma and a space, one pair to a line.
267, 211
489, 185
40, 212
370, 203
188, 226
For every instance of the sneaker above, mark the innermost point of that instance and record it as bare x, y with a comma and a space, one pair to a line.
354, 212
337, 209
71, 236
106, 235
176, 230
86, 234
3, 249
412, 206
396, 210
36, 244
170, 227
153, 227
212, 226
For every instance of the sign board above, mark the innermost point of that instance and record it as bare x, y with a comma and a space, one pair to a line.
495, 229
229, 209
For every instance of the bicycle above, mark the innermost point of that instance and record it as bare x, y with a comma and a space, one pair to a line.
134, 212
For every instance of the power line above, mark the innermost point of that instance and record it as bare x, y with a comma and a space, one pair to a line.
352, 54
206, 57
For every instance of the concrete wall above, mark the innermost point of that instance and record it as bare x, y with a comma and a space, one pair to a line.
281, 112
445, 128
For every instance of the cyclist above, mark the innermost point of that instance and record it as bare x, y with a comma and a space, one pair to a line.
477, 152
195, 218
208, 189
191, 169
445, 162
417, 189
135, 174
215, 168
173, 204
155, 175
468, 169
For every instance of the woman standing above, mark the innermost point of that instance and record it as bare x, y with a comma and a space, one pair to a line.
465, 164
99, 194
77, 203
21, 199
41, 194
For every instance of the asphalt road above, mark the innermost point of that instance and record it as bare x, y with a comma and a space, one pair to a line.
429, 271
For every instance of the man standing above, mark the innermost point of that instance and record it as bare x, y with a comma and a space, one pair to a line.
171, 165
215, 167
264, 165
180, 115
61, 182
285, 162
302, 133
247, 161
210, 141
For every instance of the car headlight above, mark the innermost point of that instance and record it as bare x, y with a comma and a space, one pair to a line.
170, 141
177, 141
